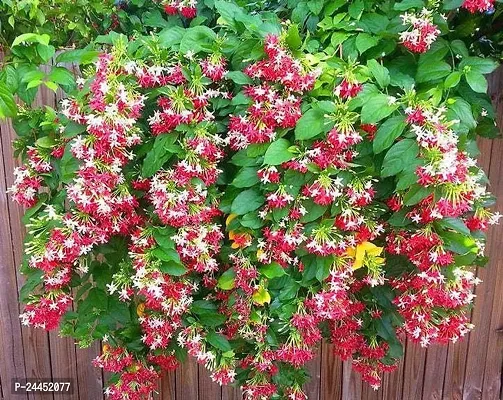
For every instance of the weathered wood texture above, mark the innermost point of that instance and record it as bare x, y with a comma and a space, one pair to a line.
469, 370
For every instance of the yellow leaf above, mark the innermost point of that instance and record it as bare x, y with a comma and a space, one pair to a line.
230, 218
261, 296
351, 251
362, 249
140, 310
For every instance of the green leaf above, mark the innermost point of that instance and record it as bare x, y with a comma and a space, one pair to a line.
408, 4
399, 156
45, 52
252, 221
459, 243
461, 110
163, 149
408, 176
380, 73
207, 313
311, 124
163, 238
452, 4
374, 23
452, 80
31, 38
456, 224
432, 70
400, 219
166, 254
79, 56
35, 83
293, 38
8, 106
315, 6
388, 132
246, 177
481, 65
459, 48
242, 159
35, 278
415, 194
477, 81
219, 341
11, 78
323, 266
198, 38
238, 77
45, 142
35, 75
273, 270
62, 76
51, 85
226, 280
202, 307
154, 19
377, 107
212, 320
278, 153
365, 41
247, 201
356, 8
172, 268
170, 36
314, 211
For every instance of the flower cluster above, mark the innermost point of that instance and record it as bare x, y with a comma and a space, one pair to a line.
137, 380
102, 203
186, 8
276, 100
421, 32
433, 306
478, 5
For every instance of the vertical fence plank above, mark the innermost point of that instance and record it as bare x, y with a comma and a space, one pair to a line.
11, 347
90, 379
392, 383
168, 386
231, 393
368, 393
434, 372
331, 374
187, 381
312, 387
415, 358
493, 372
208, 390
351, 382
35, 341
484, 303
455, 370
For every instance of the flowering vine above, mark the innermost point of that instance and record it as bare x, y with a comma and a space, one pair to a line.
240, 192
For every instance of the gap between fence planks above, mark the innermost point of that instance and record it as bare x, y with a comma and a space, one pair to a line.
469, 370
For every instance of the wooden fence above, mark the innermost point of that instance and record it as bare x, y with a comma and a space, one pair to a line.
469, 370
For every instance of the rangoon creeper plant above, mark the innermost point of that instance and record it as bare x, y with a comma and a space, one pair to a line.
242, 190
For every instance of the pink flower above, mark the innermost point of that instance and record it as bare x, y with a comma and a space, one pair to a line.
474, 6
421, 33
